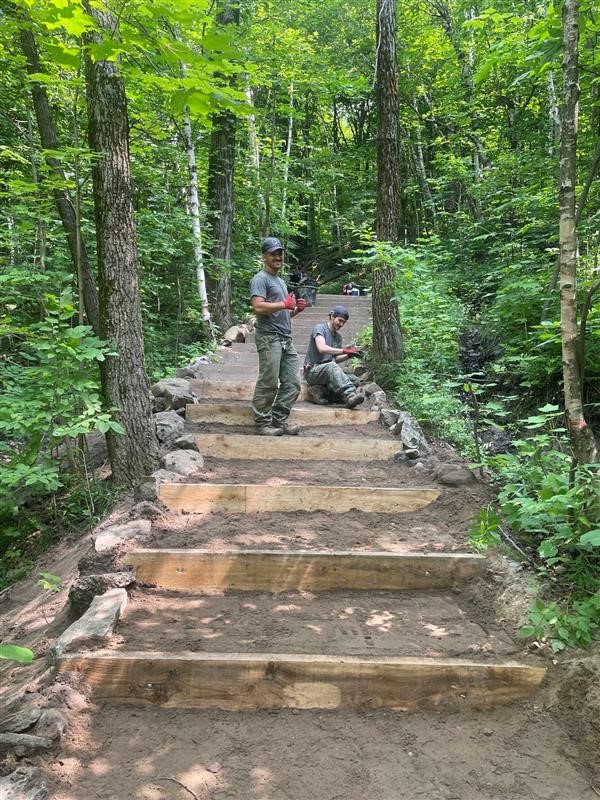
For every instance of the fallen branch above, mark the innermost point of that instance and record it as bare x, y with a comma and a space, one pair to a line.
183, 786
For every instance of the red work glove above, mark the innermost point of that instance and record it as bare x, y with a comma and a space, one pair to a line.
351, 352
300, 304
290, 302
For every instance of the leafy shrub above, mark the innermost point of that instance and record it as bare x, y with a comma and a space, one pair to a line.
553, 512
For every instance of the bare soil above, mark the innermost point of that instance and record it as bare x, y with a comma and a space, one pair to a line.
517, 752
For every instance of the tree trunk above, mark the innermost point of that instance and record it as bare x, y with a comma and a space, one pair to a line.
581, 437
255, 153
387, 336
220, 196
64, 204
124, 382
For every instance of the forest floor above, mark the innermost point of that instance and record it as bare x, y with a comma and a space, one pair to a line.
531, 749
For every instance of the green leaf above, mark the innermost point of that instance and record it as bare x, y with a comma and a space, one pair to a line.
591, 537
12, 652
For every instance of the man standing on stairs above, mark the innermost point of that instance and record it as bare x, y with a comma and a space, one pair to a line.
278, 383
324, 376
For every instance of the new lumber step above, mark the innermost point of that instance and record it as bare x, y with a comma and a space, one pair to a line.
311, 571
214, 388
305, 448
249, 498
242, 681
309, 415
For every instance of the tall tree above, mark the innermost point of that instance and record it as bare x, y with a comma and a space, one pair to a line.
124, 382
64, 203
220, 194
387, 335
582, 438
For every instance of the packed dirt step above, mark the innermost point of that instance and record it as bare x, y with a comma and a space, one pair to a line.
307, 415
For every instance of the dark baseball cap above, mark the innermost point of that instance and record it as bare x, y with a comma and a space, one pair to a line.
340, 311
271, 244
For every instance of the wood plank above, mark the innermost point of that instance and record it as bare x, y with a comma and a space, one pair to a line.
215, 389
244, 498
242, 681
238, 414
276, 571
304, 448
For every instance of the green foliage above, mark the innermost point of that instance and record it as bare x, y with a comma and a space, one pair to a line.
50, 582
431, 319
12, 652
553, 511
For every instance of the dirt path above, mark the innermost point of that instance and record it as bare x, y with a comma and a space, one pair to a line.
148, 752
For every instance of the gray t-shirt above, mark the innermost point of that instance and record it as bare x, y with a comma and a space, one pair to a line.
332, 338
272, 289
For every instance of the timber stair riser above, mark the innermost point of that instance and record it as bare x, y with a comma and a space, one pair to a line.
200, 498
238, 414
274, 571
212, 388
304, 448
240, 681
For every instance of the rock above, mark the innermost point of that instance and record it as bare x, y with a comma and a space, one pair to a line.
169, 426
378, 400
193, 370
360, 370
497, 441
176, 391
159, 404
186, 442
146, 510
372, 388
148, 489
234, 334
388, 417
51, 724
24, 717
93, 563
87, 587
23, 744
453, 475
409, 431
115, 535
97, 622
183, 462
25, 783
61, 694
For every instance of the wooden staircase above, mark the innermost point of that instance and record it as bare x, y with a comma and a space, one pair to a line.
298, 628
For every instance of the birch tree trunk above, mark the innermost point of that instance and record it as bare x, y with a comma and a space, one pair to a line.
288, 152
124, 382
581, 437
387, 336
255, 154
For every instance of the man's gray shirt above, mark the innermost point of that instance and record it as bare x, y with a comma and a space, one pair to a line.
273, 290
332, 338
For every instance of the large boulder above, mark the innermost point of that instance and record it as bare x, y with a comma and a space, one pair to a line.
176, 391
169, 427
194, 369
25, 783
87, 587
115, 535
183, 462
409, 432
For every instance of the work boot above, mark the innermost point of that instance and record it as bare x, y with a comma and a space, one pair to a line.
288, 429
269, 430
354, 400
316, 395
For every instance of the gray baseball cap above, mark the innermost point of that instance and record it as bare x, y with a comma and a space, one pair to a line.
340, 311
271, 244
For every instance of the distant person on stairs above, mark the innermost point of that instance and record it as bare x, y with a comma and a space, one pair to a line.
278, 383
324, 376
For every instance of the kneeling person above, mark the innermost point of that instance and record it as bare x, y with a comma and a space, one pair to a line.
323, 357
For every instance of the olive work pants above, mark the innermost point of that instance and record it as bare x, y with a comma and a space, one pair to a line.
332, 377
278, 383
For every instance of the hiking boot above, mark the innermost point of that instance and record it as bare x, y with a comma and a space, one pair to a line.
354, 400
316, 395
269, 430
288, 429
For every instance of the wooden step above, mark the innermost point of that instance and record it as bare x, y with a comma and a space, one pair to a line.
306, 416
314, 571
242, 681
300, 448
250, 498
212, 388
